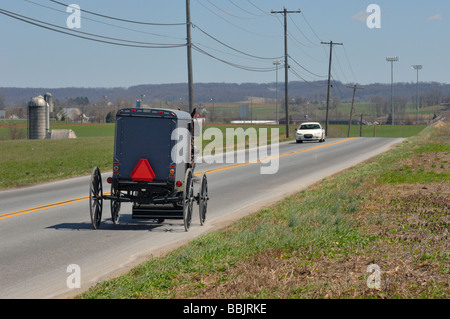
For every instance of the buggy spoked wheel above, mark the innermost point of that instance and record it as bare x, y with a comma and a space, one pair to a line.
203, 199
96, 198
188, 198
115, 204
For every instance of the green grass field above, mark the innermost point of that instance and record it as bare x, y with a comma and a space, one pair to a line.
26, 162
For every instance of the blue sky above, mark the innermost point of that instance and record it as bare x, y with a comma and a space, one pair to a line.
238, 32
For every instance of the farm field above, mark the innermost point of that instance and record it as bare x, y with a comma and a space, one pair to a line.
27, 162
259, 111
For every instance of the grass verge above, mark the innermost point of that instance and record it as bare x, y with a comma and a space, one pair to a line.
320, 242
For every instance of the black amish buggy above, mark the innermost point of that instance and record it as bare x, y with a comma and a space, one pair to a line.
153, 168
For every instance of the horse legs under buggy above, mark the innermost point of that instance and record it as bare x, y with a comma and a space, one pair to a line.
153, 168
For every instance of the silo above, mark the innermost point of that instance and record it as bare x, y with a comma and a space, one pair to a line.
37, 118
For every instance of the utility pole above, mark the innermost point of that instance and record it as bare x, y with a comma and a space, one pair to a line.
286, 66
329, 81
189, 55
351, 110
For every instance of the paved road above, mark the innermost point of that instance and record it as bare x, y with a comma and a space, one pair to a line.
39, 241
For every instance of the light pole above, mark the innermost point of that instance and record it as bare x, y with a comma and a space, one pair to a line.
392, 59
213, 112
276, 63
417, 67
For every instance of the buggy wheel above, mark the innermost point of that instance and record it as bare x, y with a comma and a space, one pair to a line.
203, 199
188, 198
115, 204
96, 197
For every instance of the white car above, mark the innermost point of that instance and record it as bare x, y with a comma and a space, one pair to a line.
310, 131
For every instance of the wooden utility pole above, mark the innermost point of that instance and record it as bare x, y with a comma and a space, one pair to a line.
286, 66
189, 56
360, 124
351, 110
329, 82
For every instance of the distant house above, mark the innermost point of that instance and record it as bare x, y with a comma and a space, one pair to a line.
71, 114
199, 118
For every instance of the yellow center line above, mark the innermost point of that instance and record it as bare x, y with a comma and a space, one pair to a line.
74, 200
38, 208
35, 209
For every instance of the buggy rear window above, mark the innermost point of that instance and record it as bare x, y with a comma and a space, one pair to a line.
146, 112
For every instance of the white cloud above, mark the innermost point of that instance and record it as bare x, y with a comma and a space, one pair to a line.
435, 17
361, 16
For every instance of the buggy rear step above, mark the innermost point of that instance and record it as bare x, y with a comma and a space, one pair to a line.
157, 212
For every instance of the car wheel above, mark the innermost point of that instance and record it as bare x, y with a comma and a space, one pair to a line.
299, 141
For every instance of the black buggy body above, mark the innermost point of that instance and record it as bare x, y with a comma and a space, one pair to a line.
153, 168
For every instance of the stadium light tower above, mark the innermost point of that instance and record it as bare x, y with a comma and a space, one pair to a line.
392, 59
417, 68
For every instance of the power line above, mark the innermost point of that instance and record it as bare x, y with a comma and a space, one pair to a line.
251, 13
198, 44
227, 12
340, 68
314, 32
296, 26
349, 64
106, 23
234, 25
48, 26
296, 73
234, 49
120, 19
256, 6
239, 66
320, 76
299, 45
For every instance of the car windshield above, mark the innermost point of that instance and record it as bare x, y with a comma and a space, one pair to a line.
309, 127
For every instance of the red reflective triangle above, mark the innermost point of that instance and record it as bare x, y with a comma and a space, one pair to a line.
143, 172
